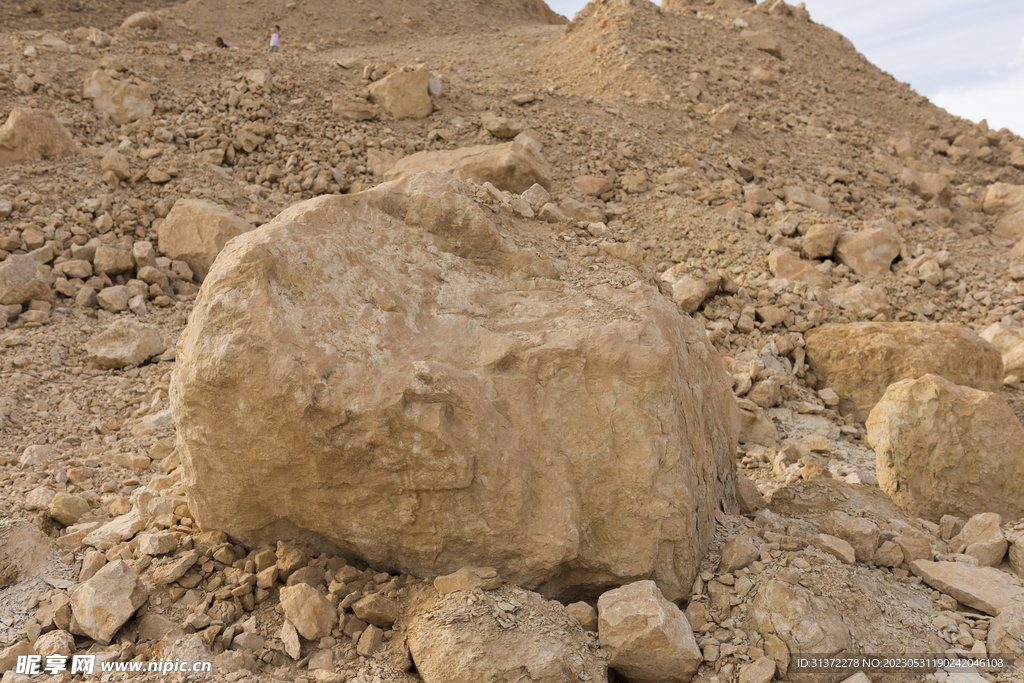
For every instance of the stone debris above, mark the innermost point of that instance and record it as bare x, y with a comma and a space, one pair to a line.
126, 343
196, 231
30, 134
101, 605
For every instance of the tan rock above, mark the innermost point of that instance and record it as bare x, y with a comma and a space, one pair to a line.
125, 343
122, 102
982, 588
116, 163
510, 166
377, 610
761, 670
736, 554
595, 186
67, 508
101, 605
932, 187
765, 41
755, 426
453, 642
748, 496
820, 241
311, 613
467, 579
141, 20
862, 534
1003, 198
802, 197
1003, 337
862, 301
1010, 227
290, 639
58, 642
860, 360
593, 532
836, 547
9, 655
888, 555
869, 252
725, 119
30, 134
371, 638
22, 281
1006, 631
806, 623
630, 252
786, 265
403, 94
691, 293
195, 231
499, 126
157, 543
114, 299
1013, 361
983, 539
119, 529
932, 465
353, 110
913, 548
112, 261
646, 637
583, 613
177, 567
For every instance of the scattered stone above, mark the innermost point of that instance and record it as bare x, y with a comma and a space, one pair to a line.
101, 605
377, 610
765, 41
125, 343
141, 20
310, 612
511, 166
30, 134
583, 613
983, 539
195, 231
403, 94
21, 281
869, 252
736, 554
836, 547
122, 102
982, 588
467, 579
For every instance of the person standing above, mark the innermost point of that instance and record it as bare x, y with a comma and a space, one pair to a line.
275, 38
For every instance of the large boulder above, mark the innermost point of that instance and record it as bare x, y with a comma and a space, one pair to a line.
403, 94
195, 231
460, 642
860, 360
141, 20
1003, 198
943, 449
21, 281
509, 166
101, 605
33, 134
431, 396
1006, 632
122, 102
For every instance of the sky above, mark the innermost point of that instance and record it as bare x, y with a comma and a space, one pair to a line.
966, 56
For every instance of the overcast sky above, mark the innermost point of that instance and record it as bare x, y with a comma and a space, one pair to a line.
967, 56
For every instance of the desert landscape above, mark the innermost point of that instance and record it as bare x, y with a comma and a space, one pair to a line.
458, 342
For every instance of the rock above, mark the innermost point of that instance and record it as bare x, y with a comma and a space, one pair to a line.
862, 301
738, 553
157, 543
932, 187
30, 134
353, 110
932, 464
862, 534
860, 360
369, 641
114, 299
499, 126
594, 530
122, 102
820, 241
309, 611
748, 496
22, 281
800, 196
290, 639
9, 655
646, 637
377, 610
174, 569
786, 265
836, 547
55, 643
1003, 337
755, 425
116, 163
765, 41
983, 588
725, 119
982, 539
75, 268
806, 623
630, 252
691, 293
141, 20
761, 670
888, 555
119, 529
510, 166
583, 613
1003, 198
594, 186
453, 642
195, 231
112, 261
67, 509
403, 94
467, 579
101, 605
869, 252
1006, 631
1010, 227
125, 343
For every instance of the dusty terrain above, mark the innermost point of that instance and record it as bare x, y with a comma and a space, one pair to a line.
716, 154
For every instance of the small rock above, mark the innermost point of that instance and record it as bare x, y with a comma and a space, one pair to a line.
101, 605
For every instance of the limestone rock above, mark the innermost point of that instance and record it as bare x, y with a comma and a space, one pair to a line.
646, 637
869, 252
583, 613
195, 231
806, 622
22, 281
765, 41
112, 261
982, 588
67, 508
58, 642
1003, 198
510, 166
116, 163
862, 301
114, 299
353, 110
820, 241
943, 449
101, 605
691, 293
748, 496
760, 671
125, 343
30, 134
860, 360
595, 186
122, 102
983, 539
403, 94
1006, 631
499, 126
1010, 227
467, 579
454, 642
787, 265
311, 613
932, 187
173, 570
143, 20
492, 448
836, 547
377, 610
800, 196
738, 553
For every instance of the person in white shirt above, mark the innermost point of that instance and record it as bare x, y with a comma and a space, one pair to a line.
275, 38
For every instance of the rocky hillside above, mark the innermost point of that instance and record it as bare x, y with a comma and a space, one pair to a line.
454, 342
